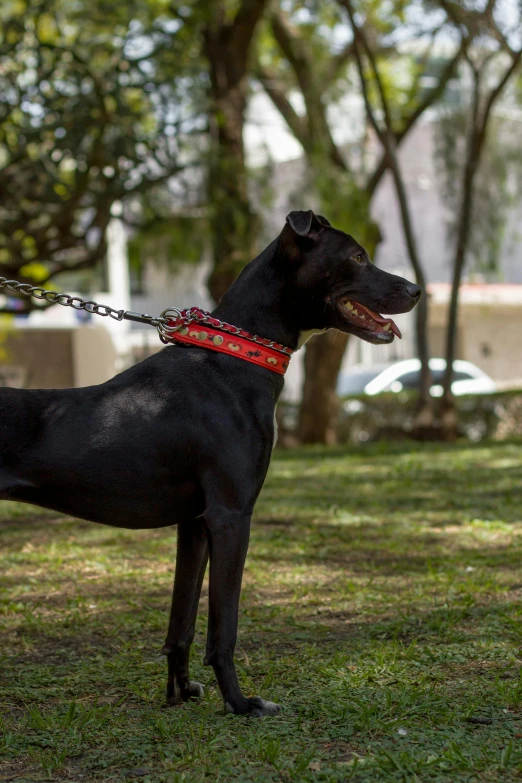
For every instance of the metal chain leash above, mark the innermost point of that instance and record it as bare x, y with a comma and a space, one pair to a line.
54, 297
168, 323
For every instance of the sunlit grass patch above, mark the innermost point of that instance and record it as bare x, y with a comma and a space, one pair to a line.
381, 606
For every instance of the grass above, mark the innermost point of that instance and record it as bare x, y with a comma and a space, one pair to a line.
381, 607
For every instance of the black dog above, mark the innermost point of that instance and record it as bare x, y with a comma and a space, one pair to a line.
185, 437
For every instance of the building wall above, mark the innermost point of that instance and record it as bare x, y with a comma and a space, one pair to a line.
489, 336
94, 356
56, 358
44, 357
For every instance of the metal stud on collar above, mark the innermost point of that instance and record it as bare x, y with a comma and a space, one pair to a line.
195, 315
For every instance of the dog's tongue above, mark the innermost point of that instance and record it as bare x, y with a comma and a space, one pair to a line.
380, 320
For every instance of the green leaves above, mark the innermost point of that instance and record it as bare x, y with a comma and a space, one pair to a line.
101, 103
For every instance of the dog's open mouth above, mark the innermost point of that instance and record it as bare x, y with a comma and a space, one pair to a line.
367, 319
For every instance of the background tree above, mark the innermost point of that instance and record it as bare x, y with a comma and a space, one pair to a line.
301, 58
297, 57
384, 130
92, 111
227, 39
492, 63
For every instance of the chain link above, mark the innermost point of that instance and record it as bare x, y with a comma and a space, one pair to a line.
54, 297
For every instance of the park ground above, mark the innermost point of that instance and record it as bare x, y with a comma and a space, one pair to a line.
381, 607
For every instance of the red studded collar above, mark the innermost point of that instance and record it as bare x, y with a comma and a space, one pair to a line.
196, 327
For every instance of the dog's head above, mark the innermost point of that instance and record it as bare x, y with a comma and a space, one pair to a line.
336, 285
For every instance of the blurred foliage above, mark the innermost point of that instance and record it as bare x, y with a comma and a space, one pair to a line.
167, 243
100, 102
104, 102
498, 185
391, 417
307, 65
305, 62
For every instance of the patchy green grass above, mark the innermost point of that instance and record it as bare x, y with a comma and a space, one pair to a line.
381, 607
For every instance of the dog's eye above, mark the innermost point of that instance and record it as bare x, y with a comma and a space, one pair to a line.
359, 258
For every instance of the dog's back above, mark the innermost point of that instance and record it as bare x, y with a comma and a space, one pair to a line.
128, 452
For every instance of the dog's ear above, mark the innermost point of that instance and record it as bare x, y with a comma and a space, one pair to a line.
305, 223
323, 220
301, 229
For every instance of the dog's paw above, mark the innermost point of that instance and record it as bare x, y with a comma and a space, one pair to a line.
178, 695
255, 707
194, 690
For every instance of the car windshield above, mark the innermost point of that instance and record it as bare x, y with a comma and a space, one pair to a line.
353, 383
411, 380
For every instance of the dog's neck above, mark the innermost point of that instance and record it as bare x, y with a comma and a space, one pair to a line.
260, 300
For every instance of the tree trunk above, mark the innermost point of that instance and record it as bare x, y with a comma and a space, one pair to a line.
475, 147
318, 413
425, 412
448, 413
312, 131
234, 225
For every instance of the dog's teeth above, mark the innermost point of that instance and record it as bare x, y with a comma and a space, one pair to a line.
363, 317
355, 312
386, 328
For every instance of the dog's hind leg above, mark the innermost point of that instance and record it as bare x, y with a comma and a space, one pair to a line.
191, 562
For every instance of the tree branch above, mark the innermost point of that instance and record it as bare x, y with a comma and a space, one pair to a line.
360, 38
387, 139
320, 137
495, 93
273, 89
244, 25
475, 147
337, 62
473, 21
294, 51
408, 122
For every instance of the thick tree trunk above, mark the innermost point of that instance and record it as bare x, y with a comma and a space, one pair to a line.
234, 225
318, 413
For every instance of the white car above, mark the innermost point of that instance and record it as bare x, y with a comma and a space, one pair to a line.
404, 375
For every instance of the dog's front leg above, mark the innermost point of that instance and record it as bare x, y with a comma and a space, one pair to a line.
191, 562
228, 543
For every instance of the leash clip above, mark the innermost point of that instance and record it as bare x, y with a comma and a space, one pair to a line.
166, 323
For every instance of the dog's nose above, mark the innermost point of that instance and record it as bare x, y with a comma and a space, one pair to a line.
414, 291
